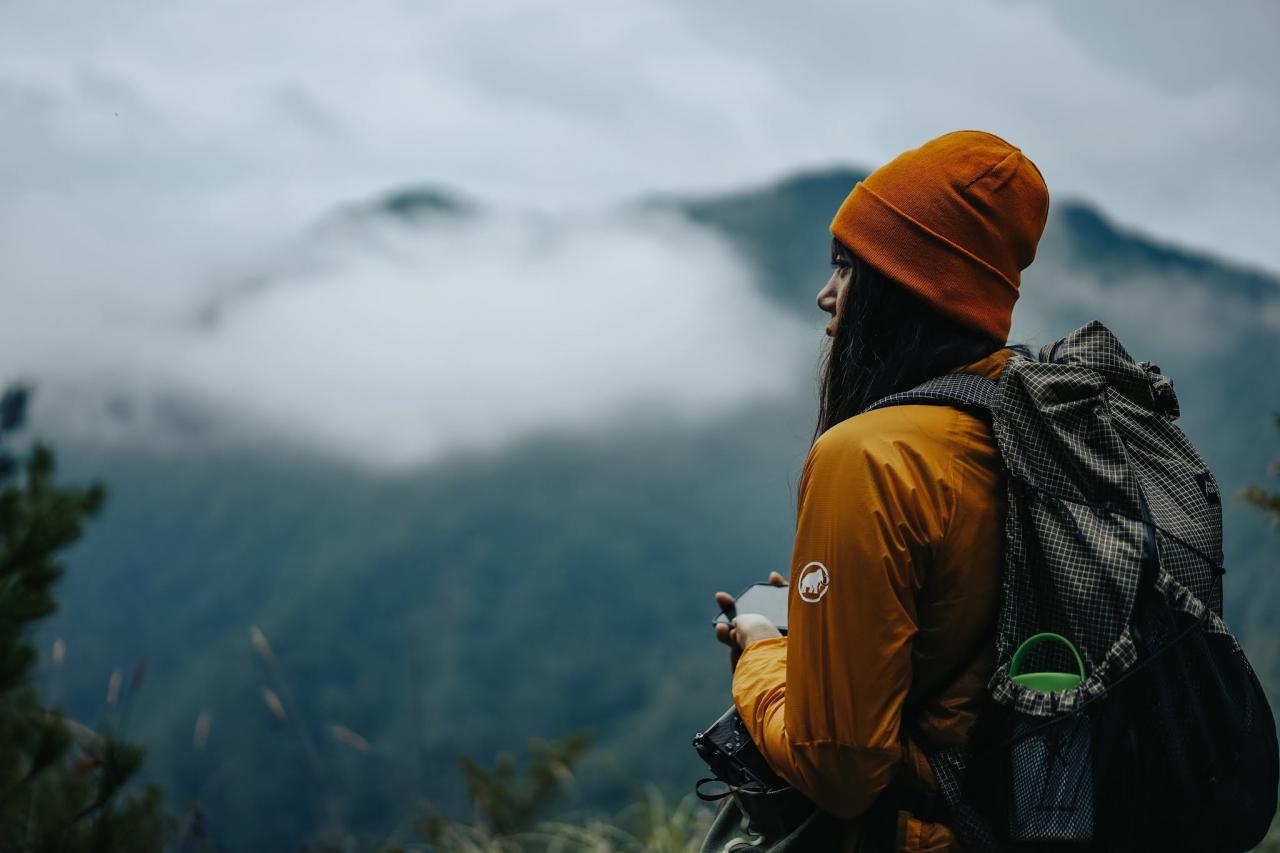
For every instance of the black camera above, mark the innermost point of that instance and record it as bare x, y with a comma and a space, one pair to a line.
772, 807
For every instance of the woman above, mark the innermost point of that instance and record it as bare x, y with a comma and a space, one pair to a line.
899, 537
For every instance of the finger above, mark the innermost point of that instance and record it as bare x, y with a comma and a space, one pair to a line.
722, 634
776, 579
725, 600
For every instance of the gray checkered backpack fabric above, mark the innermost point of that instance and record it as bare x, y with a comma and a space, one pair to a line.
1113, 540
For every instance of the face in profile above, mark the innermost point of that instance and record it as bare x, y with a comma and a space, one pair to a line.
832, 295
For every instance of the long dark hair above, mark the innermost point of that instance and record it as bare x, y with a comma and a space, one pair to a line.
886, 340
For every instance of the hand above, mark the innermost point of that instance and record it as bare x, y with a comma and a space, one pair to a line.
746, 628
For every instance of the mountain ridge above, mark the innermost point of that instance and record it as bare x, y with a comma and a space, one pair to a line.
1095, 239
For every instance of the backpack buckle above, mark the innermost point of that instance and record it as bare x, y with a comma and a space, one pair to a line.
1163, 398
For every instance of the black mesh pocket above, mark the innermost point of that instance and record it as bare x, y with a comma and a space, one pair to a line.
1186, 744
1051, 780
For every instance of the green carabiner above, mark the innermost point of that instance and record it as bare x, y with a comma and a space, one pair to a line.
1045, 682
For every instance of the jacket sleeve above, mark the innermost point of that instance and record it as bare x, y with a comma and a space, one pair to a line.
824, 703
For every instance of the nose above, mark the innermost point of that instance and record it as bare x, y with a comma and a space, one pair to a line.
827, 297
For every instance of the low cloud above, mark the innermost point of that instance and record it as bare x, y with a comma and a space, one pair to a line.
395, 342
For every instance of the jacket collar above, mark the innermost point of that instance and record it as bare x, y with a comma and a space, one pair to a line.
989, 366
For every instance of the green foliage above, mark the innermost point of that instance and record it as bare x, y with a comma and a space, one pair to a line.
508, 802
60, 784
510, 811
650, 825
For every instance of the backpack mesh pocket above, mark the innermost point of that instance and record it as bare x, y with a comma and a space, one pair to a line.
1051, 779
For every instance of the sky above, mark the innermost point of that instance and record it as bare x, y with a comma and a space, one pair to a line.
156, 151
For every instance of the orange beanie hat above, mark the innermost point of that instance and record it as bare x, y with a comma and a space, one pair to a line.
955, 221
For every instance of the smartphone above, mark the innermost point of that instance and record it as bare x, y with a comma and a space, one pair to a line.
764, 598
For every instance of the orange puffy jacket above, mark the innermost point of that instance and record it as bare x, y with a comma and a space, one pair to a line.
895, 583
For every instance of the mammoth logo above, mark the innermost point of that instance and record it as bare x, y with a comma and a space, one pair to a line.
814, 580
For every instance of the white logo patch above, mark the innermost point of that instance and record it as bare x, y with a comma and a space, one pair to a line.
814, 580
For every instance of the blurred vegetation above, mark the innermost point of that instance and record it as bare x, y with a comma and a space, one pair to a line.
506, 802
511, 808
62, 786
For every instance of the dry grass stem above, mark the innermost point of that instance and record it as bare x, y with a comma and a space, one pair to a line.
114, 683
204, 721
260, 643
344, 735
274, 704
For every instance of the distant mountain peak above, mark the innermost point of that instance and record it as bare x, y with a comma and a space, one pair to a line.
425, 200
413, 204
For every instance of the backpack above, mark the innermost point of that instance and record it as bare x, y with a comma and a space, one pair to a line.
1141, 724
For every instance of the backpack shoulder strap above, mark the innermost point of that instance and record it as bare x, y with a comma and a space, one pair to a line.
963, 390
